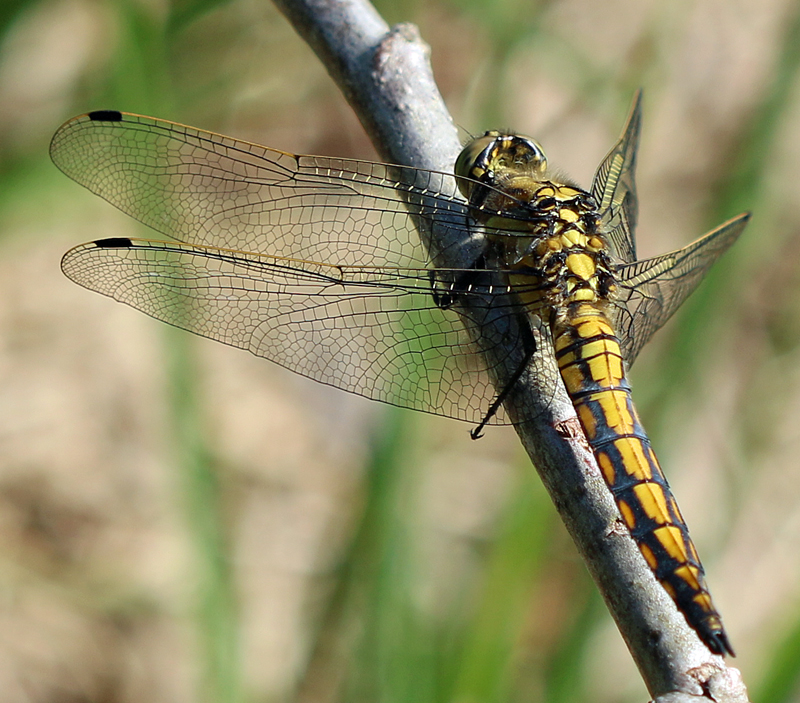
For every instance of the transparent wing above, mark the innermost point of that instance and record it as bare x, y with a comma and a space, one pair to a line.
312, 262
650, 291
614, 187
207, 189
374, 332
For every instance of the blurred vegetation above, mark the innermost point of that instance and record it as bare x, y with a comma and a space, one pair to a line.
490, 603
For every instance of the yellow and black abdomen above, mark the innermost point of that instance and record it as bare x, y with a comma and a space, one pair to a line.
590, 362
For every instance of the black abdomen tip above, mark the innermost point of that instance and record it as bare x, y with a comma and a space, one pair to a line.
105, 116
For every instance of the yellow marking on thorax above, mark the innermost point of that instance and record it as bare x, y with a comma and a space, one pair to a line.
567, 193
574, 238
552, 245
581, 265
568, 215
583, 295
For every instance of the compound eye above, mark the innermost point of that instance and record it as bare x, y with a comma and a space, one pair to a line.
532, 154
471, 154
471, 162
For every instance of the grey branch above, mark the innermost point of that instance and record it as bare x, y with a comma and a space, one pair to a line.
385, 75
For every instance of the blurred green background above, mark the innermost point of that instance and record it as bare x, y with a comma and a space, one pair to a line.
184, 522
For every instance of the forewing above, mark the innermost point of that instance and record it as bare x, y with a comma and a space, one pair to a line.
650, 291
373, 332
614, 187
207, 189
312, 262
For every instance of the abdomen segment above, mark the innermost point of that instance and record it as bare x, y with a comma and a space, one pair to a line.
590, 362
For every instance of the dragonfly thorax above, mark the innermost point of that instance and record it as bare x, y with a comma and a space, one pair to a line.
547, 235
558, 271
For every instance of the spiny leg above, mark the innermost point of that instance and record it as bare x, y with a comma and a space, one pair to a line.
529, 347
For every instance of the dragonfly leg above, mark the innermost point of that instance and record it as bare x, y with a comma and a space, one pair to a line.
463, 284
529, 346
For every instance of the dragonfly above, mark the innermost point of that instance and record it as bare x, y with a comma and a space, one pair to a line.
323, 266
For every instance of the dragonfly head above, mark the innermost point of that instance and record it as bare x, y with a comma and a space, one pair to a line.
493, 158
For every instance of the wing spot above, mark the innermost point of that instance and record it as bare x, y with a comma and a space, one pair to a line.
105, 116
